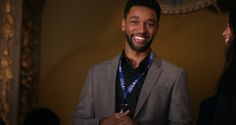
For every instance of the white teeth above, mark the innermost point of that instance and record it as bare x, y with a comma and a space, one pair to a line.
139, 38
226, 40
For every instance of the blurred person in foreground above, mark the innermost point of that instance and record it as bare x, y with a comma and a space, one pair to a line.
220, 109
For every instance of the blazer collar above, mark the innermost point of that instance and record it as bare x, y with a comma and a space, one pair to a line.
149, 83
111, 84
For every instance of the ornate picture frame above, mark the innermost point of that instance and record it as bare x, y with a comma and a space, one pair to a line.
183, 6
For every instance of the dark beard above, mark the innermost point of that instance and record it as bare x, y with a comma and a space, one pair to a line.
138, 49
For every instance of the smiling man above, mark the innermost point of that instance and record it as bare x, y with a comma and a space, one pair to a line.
136, 87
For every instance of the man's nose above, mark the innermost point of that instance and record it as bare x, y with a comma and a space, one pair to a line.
224, 32
142, 28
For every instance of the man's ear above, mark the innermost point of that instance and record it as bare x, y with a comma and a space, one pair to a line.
157, 28
158, 25
123, 25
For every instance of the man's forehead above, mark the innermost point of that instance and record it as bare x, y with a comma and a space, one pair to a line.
139, 11
142, 9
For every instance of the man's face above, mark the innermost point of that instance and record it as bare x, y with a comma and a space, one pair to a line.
140, 27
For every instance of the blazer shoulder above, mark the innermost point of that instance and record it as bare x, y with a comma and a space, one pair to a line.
167, 66
103, 65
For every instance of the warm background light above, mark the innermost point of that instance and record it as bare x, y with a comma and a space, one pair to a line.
78, 33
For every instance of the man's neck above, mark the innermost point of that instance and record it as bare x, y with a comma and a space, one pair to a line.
136, 57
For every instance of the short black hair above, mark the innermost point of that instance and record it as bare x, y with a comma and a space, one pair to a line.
152, 4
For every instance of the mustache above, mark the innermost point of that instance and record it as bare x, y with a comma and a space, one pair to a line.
140, 34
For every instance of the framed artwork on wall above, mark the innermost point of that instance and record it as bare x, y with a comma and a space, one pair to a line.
183, 6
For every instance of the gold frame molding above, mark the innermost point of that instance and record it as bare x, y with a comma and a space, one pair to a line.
6, 60
29, 63
183, 6
20, 22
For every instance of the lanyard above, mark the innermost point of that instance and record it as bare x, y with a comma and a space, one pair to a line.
128, 90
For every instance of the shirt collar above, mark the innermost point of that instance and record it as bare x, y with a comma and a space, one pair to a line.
126, 62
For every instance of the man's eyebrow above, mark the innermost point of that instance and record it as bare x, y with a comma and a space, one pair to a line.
152, 20
136, 17
133, 17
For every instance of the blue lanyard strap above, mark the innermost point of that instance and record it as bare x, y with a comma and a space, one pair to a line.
128, 90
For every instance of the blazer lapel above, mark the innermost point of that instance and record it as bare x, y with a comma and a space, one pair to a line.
111, 82
150, 80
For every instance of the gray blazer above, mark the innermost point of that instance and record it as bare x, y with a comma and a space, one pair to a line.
163, 100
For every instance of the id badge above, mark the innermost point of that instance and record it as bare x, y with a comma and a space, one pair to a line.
123, 107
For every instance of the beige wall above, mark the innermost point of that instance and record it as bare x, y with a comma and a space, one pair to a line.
79, 33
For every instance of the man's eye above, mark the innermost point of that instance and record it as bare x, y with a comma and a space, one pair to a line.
150, 24
134, 22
